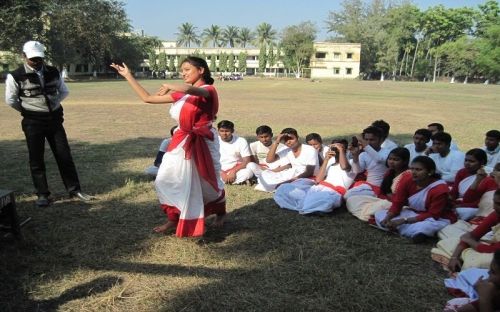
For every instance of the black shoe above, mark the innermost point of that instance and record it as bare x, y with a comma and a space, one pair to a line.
419, 238
81, 196
42, 201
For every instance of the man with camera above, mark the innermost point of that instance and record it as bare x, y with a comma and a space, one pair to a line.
368, 155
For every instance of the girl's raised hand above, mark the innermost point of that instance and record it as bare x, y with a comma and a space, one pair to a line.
121, 69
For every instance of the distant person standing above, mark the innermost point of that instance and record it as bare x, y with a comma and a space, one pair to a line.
36, 90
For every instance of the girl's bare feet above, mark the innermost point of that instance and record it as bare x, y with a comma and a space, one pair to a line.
165, 227
219, 221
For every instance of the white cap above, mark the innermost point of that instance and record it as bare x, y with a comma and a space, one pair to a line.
34, 49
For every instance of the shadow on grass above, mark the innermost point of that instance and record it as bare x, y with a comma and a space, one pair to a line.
101, 167
266, 258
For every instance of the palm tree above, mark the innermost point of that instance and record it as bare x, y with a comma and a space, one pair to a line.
187, 35
265, 34
245, 36
212, 33
230, 35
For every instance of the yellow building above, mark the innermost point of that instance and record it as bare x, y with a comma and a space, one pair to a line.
335, 60
330, 60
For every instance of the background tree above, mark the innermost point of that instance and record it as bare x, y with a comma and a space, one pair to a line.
271, 57
242, 62
223, 62
83, 31
21, 21
212, 34
488, 60
230, 36
262, 58
297, 45
171, 63
265, 34
230, 63
187, 35
460, 56
162, 61
245, 36
213, 63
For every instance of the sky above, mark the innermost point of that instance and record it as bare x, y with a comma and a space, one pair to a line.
162, 18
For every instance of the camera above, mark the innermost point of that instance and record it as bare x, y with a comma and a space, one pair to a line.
334, 149
285, 138
354, 141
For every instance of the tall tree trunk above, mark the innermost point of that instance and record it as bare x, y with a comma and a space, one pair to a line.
402, 62
406, 62
435, 68
414, 59
466, 78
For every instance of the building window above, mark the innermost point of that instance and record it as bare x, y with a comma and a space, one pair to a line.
320, 55
336, 71
348, 71
349, 56
336, 56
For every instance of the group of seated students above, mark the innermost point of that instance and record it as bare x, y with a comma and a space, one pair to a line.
418, 191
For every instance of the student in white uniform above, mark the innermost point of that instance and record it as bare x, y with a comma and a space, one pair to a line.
419, 146
234, 155
436, 127
301, 160
447, 161
370, 156
153, 170
316, 141
492, 149
385, 127
325, 192
260, 148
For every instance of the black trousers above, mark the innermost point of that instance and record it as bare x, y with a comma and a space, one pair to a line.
36, 131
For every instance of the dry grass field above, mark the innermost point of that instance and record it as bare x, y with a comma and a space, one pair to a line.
104, 257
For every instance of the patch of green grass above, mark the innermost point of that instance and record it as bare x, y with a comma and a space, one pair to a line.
103, 256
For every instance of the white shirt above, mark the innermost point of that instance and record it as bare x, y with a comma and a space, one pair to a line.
389, 144
448, 166
413, 152
308, 157
259, 151
374, 164
338, 177
233, 152
493, 158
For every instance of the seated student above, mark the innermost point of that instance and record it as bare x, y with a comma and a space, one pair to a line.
234, 155
481, 286
368, 155
473, 252
447, 161
316, 141
260, 148
437, 128
364, 206
492, 149
426, 197
296, 161
153, 170
385, 127
419, 146
325, 192
471, 182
